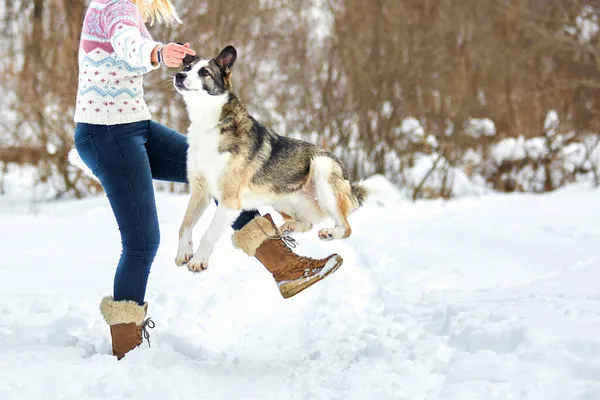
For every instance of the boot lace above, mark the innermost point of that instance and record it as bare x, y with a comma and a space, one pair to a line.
147, 324
289, 241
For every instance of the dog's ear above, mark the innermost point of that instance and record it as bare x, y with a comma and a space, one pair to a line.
226, 58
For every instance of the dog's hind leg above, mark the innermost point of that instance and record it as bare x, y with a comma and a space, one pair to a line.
196, 206
342, 229
332, 192
286, 217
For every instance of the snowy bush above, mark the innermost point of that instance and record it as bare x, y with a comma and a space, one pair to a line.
411, 129
475, 161
433, 176
546, 162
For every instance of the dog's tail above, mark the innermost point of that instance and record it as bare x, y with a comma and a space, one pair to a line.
359, 194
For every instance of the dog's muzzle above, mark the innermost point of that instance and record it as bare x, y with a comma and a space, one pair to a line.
179, 79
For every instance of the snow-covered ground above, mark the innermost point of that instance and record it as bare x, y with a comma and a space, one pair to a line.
494, 297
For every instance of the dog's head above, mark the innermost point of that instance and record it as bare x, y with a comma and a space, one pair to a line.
201, 78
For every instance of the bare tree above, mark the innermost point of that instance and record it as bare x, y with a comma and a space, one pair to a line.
344, 74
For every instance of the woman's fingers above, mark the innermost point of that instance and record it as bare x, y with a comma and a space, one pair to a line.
173, 62
179, 49
175, 53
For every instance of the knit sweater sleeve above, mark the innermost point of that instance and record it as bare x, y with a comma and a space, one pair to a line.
123, 26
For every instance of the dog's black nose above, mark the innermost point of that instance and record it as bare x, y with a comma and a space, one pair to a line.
179, 78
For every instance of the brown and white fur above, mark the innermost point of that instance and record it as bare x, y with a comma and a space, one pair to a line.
245, 165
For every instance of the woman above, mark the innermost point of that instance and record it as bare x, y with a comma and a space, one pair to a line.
126, 150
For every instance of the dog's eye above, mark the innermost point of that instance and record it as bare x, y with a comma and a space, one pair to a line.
187, 68
203, 72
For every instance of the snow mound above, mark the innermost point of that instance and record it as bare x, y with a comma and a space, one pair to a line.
382, 191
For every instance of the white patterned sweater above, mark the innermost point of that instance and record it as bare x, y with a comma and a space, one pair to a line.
114, 54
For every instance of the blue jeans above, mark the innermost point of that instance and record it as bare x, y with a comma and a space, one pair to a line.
126, 158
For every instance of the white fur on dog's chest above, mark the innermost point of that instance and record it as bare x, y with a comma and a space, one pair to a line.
204, 158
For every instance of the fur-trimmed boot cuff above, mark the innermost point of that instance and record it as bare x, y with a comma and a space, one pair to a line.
253, 234
122, 312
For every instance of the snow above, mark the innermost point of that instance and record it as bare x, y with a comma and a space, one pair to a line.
492, 297
536, 147
478, 127
432, 141
587, 24
412, 129
387, 108
508, 149
381, 191
551, 123
320, 20
26, 191
444, 178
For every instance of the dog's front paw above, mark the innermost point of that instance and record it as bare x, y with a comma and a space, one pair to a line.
184, 254
197, 264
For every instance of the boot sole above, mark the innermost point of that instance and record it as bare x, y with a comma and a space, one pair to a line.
292, 288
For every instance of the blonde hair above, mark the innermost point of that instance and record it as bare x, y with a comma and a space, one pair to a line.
162, 11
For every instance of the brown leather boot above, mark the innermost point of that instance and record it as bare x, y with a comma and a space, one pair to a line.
292, 273
127, 325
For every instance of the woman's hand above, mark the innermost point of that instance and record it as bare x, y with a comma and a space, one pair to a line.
173, 54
